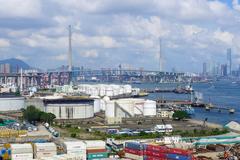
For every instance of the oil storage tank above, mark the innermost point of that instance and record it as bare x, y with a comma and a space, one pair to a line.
70, 108
11, 103
149, 108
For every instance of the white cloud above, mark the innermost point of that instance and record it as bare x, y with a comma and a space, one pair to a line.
188, 27
224, 36
21, 57
20, 8
60, 57
4, 43
89, 53
191, 30
236, 5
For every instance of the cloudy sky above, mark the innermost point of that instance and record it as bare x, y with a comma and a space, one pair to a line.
107, 33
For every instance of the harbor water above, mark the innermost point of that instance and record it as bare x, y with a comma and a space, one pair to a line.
220, 93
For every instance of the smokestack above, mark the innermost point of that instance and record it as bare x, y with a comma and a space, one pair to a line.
70, 49
160, 56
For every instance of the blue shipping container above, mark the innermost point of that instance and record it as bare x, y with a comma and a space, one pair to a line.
134, 145
178, 157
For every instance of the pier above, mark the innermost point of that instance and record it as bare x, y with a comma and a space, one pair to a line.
169, 90
207, 106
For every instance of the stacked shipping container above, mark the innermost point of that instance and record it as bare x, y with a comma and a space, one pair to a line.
76, 147
96, 150
21, 151
44, 150
135, 150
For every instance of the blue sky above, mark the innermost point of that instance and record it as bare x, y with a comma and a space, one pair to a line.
107, 33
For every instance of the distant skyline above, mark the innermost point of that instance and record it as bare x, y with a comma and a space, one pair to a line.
106, 33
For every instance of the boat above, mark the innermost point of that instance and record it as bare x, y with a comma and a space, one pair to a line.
189, 110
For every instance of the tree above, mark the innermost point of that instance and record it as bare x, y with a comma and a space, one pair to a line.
1, 120
32, 114
180, 115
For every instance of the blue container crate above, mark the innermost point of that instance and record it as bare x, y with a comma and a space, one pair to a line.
134, 145
178, 157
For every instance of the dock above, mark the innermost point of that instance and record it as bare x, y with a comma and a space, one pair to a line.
169, 90
207, 106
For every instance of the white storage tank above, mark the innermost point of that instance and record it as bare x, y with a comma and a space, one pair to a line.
110, 109
42, 150
109, 91
149, 108
21, 151
124, 107
11, 103
97, 104
70, 108
138, 106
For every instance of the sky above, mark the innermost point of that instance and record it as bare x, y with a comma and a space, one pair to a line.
107, 33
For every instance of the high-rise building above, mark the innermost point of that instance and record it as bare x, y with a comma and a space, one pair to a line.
5, 68
224, 70
229, 60
204, 69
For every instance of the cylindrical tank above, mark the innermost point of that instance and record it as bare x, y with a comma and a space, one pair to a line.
138, 106
149, 108
97, 105
110, 109
11, 103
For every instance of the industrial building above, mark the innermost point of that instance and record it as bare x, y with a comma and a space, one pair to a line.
115, 110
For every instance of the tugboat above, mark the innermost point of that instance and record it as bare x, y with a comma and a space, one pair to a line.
186, 90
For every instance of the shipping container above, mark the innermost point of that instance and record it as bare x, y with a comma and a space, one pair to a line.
96, 150
97, 155
134, 145
153, 158
179, 151
74, 145
45, 154
21, 148
133, 156
42, 147
22, 156
133, 151
155, 154
95, 144
162, 149
178, 157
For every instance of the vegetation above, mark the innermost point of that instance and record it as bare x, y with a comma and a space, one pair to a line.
200, 133
75, 132
1, 121
180, 115
17, 93
32, 114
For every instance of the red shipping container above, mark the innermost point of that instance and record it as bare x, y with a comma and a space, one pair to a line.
162, 149
154, 158
155, 154
179, 151
133, 151
96, 150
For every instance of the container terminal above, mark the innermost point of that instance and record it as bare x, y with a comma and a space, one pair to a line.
91, 122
